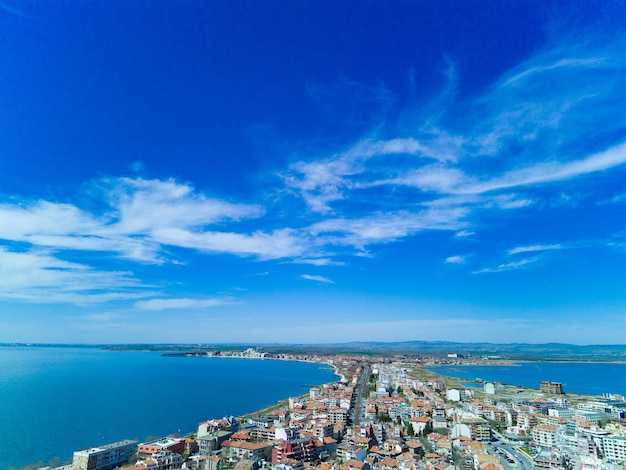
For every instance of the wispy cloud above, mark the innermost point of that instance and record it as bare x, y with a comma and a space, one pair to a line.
138, 215
133, 219
544, 252
565, 64
311, 277
534, 248
445, 180
513, 265
142, 206
538, 128
317, 261
182, 304
387, 227
40, 277
285, 243
455, 259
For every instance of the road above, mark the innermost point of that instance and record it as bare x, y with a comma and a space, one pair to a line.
511, 452
356, 413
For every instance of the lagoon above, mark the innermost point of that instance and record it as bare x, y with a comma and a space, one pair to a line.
586, 378
55, 400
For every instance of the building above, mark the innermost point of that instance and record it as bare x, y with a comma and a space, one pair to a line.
479, 428
561, 412
551, 387
454, 394
235, 450
211, 434
615, 449
105, 457
338, 415
589, 416
549, 459
294, 449
164, 460
544, 436
176, 446
346, 452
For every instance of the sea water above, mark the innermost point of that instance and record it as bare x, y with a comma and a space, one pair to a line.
55, 400
577, 377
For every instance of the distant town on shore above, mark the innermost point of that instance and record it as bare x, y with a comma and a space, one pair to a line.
510, 351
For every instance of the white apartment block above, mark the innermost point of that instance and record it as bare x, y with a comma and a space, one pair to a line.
104, 457
615, 449
561, 412
544, 436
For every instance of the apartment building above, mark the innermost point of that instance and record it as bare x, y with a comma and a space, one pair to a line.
295, 449
615, 449
544, 436
104, 457
176, 446
243, 450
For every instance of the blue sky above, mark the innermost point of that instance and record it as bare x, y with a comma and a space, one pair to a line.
312, 171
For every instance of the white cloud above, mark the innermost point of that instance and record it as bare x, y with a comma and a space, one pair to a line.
182, 304
551, 172
317, 262
455, 259
136, 210
534, 248
387, 227
284, 243
538, 126
528, 73
139, 220
446, 180
509, 266
40, 277
141, 206
311, 277
19, 222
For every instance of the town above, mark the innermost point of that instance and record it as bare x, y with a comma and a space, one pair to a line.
392, 413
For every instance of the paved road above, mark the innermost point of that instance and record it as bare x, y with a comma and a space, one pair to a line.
359, 390
520, 459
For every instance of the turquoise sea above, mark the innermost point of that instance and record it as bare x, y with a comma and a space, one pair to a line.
55, 400
577, 377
